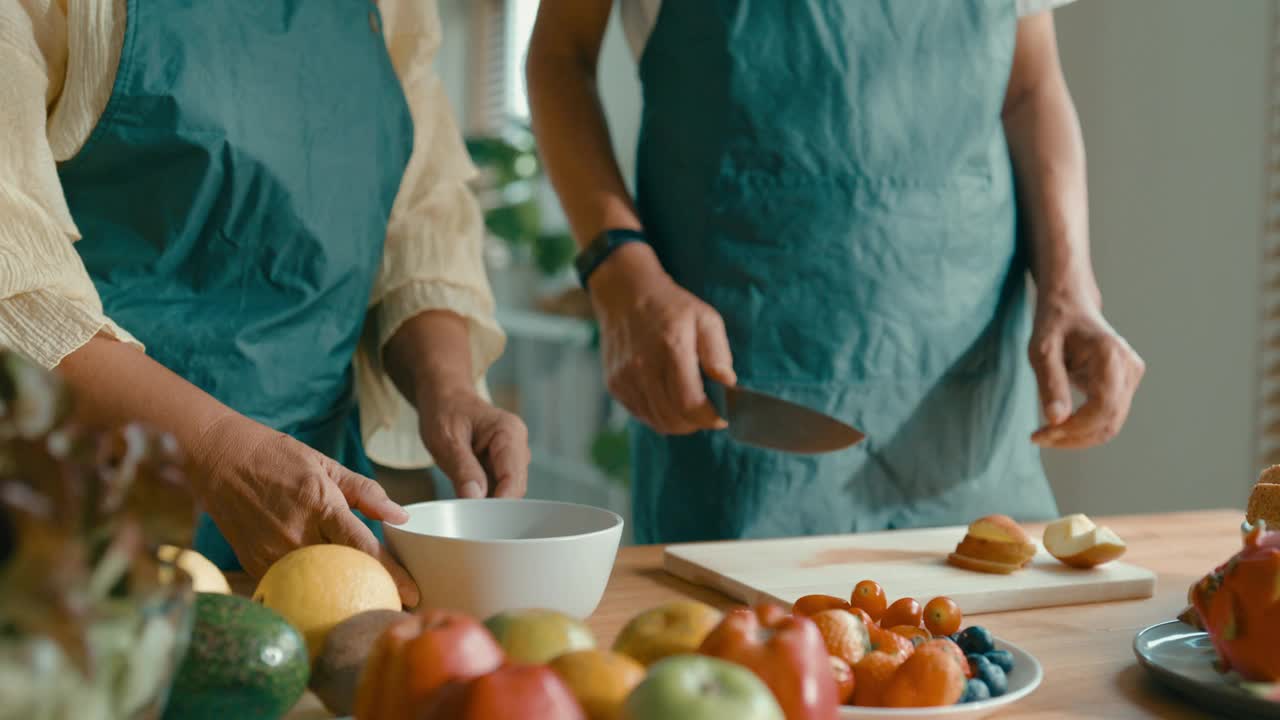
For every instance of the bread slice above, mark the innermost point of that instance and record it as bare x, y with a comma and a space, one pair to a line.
1264, 504
1270, 475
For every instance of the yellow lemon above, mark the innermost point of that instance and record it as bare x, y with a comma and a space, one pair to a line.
318, 586
205, 576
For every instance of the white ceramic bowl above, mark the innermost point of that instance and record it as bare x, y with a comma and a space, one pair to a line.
487, 556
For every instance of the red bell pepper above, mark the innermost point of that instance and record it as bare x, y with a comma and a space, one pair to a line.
786, 651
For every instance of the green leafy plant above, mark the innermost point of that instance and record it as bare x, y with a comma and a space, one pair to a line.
82, 512
510, 176
611, 453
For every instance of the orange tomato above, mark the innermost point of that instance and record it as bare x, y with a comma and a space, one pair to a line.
942, 616
869, 596
905, 611
929, 678
890, 642
917, 635
811, 605
871, 677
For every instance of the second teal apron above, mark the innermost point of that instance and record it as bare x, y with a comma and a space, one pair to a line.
833, 178
234, 199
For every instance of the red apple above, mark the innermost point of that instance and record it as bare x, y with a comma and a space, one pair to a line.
416, 655
786, 651
528, 692
451, 646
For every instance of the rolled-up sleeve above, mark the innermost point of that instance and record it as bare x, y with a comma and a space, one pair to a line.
433, 259
1033, 7
48, 305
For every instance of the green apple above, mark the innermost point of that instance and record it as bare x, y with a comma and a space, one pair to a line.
698, 687
539, 636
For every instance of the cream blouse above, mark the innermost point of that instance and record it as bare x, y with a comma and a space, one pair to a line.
58, 61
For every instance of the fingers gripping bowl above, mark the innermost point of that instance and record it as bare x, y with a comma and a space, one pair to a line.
485, 556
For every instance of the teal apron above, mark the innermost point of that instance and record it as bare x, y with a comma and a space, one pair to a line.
233, 203
832, 176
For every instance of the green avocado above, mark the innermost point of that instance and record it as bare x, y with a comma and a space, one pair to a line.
244, 662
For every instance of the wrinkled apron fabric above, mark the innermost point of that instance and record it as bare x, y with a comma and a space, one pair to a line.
233, 203
833, 177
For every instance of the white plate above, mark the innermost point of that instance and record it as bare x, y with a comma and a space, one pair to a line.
1181, 658
1025, 678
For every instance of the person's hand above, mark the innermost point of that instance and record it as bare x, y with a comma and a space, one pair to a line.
656, 340
269, 494
1072, 344
481, 449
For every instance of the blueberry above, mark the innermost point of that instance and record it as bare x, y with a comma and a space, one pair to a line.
976, 663
954, 637
1002, 659
990, 674
976, 639
975, 690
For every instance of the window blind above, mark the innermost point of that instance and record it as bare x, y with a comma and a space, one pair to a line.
1268, 396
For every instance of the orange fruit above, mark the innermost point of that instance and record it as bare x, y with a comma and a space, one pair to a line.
905, 611
870, 597
931, 677
917, 635
844, 634
890, 642
862, 614
871, 677
955, 650
942, 616
844, 679
811, 605
599, 679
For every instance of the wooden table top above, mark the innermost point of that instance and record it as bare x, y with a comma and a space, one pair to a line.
1086, 650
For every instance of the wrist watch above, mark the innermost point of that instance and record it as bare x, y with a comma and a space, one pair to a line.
600, 249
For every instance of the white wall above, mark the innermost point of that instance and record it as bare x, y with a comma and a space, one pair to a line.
1172, 97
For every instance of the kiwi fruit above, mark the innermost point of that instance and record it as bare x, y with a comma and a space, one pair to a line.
335, 674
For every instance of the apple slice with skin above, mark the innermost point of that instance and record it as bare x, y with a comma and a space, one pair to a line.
1076, 541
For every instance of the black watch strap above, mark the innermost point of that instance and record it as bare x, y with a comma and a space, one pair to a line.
600, 249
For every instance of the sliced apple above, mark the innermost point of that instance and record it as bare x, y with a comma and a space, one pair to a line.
995, 551
1076, 541
985, 566
999, 528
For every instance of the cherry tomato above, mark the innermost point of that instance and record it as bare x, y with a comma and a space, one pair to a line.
942, 616
814, 604
870, 597
905, 611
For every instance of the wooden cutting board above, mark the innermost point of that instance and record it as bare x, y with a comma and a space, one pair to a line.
907, 563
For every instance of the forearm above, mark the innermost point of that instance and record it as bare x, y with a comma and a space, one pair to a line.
429, 356
115, 383
1049, 161
573, 139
